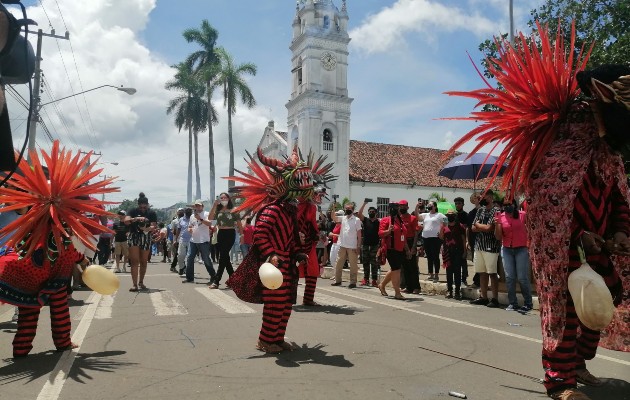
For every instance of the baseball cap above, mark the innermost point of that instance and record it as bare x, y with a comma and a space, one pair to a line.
122, 212
198, 201
403, 203
339, 213
180, 209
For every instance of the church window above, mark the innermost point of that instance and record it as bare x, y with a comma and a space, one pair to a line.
326, 21
382, 204
327, 140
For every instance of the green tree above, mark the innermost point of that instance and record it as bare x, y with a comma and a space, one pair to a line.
231, 77
205, 63
190, 110
606, 23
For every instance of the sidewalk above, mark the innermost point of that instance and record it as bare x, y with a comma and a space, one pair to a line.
432, 288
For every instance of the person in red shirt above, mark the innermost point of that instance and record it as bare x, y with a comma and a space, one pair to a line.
248, 236
410, 279
393, 233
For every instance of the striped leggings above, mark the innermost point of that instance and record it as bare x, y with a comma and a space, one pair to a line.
59, 321
276, 312
309, 290
571, 353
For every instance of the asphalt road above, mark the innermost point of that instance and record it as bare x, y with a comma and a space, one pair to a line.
184, 341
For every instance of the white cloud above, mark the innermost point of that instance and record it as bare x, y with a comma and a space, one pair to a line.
131, 130
387, 29
448, 139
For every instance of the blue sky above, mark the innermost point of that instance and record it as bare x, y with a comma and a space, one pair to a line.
404, 54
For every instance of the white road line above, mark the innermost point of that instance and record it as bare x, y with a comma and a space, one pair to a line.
400, 305
57, 378
225, 302
326, 300
165, 303
104, 309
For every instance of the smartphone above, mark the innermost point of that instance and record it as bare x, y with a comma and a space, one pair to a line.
368, 200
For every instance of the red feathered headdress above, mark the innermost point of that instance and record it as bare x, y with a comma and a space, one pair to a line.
539, 83
280, 179
56, 203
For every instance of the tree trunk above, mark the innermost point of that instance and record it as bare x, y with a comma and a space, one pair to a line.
211, 147
190, 156
231, 144
198, 180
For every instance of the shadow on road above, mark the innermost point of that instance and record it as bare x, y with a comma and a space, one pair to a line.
37, 365
328, 309
617, 389
308, 355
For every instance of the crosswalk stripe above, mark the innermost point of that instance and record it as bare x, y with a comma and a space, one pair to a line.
326, 300
104, 309
165, 303
225, 302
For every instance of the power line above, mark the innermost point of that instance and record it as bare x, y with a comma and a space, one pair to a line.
46, 14
87, 109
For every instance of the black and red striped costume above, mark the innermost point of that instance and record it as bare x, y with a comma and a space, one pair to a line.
275, 233
307, 224
32, 282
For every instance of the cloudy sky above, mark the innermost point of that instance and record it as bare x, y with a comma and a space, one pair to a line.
404, 54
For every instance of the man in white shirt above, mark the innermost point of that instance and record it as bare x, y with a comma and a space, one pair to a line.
200, 228
349, 245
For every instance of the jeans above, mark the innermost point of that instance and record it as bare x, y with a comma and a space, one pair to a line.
516, 266
182, 252
204, 250
245, 249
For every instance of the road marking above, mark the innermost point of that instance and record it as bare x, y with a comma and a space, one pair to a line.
225, 302
104, 309
59, 375
326, 300
400, 305
165, 303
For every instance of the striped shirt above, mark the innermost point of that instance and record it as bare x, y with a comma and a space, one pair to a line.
486, 241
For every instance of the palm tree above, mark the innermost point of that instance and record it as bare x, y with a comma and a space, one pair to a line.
205, 62
190, 111
230, 76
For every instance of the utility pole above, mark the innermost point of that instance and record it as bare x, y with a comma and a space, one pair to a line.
512, 22
32, 128
89, 159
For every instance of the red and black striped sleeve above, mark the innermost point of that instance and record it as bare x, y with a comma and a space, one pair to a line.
273, 232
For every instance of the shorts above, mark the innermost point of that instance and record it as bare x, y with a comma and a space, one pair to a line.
395, 259
140, 239
486, 262
121, 248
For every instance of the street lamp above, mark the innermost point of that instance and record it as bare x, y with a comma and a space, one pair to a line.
38, 106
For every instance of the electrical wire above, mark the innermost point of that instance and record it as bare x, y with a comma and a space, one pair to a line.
95, 145
537, 380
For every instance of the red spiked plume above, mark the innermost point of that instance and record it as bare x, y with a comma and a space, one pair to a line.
55, 203
539, 84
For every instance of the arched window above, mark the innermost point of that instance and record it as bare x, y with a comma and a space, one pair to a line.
326, 21
327, 140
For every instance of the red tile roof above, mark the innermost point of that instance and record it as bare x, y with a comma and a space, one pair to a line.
397, 164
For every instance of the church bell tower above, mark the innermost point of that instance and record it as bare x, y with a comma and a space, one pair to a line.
319, 108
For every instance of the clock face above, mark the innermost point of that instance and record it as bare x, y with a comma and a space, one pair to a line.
329, 62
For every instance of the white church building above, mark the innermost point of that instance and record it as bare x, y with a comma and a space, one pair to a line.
319, 112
